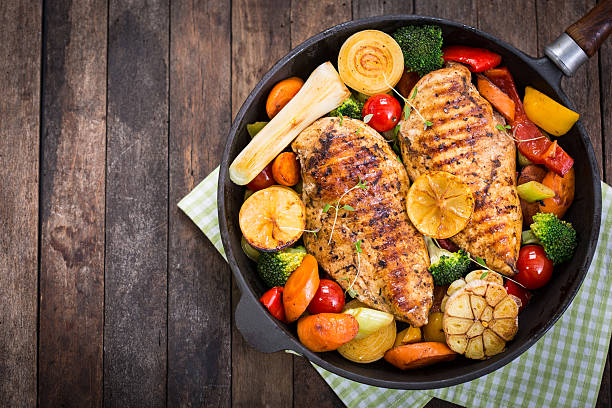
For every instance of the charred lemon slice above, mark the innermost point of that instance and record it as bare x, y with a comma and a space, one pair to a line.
439, 204
272, 218
480, 318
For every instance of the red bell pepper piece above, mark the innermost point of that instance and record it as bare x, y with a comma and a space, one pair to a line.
478, 59
273, 301
532, 143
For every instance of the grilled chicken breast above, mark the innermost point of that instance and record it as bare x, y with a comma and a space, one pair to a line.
374, 249
464, 141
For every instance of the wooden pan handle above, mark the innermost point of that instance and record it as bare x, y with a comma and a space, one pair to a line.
591, 30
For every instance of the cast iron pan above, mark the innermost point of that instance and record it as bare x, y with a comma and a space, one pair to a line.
268, 335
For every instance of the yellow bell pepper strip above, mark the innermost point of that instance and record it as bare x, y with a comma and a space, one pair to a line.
548, 114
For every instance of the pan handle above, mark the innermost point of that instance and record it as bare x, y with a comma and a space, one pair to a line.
582, 39
259, 328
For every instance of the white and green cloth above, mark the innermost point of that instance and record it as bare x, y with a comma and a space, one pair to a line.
563, 369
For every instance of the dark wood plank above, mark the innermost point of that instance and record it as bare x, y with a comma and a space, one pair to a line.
463, 11
518, 25
72, 204
20, 50
135, 331
199, 305
260, 36
308, 19
365, 8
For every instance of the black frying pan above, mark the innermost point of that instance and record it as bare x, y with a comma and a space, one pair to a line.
268, 335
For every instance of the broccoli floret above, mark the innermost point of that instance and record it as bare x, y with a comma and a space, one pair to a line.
558, 237
275, 267
422, 47
351, 107
445, 266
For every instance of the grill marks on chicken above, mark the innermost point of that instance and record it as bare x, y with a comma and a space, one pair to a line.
464, 141
390, 273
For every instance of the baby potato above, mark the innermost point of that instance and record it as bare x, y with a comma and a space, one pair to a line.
286, 169
433, 331
563, 186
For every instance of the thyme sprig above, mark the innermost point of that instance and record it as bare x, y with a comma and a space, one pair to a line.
336, 206
408, 109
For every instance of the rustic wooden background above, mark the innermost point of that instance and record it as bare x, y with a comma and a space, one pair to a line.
110, 112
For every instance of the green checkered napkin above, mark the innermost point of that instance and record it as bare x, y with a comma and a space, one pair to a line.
563, 369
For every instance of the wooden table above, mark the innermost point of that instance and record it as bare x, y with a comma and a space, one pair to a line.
110, 113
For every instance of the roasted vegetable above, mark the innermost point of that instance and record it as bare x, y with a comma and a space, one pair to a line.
370, 62
370, 348
281, 94
322, 92
370, 320
558, 237
477, 59
446, 266
286, 169
433, 331
496, 97
300, 288
276, 267
533, 191
350, 107
532, 172
408, 336
563, 186
480, 318
419, 355
326, 331
254, 128
273, 301
272, 218
548, 114
421, 46
251, 252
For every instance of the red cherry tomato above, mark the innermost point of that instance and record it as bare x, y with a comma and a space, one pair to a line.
329, 298
385, 110
262, 180
535, 269
273, 301
523, 294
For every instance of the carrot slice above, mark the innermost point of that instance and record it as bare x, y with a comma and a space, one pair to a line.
500, 101
301, 288
418, 355
326, 331
281, 94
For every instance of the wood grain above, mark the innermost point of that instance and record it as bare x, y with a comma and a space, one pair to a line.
260, 37
72, 204
605, 69
371, 8
199, 303
594, 28
20, 70
463, 11
135, 331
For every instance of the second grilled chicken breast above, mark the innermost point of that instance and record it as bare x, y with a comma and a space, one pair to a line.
374, 249
464, 141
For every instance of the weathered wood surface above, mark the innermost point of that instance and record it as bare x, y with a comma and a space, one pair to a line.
135, 304
199, 305
135, 326
72, 204
20, 70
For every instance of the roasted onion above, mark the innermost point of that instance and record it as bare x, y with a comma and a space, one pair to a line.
370, 62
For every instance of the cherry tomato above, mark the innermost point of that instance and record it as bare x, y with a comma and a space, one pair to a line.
329, 298
385, 109
523, 294
273, 301
535, 269
262, 180
448, 245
